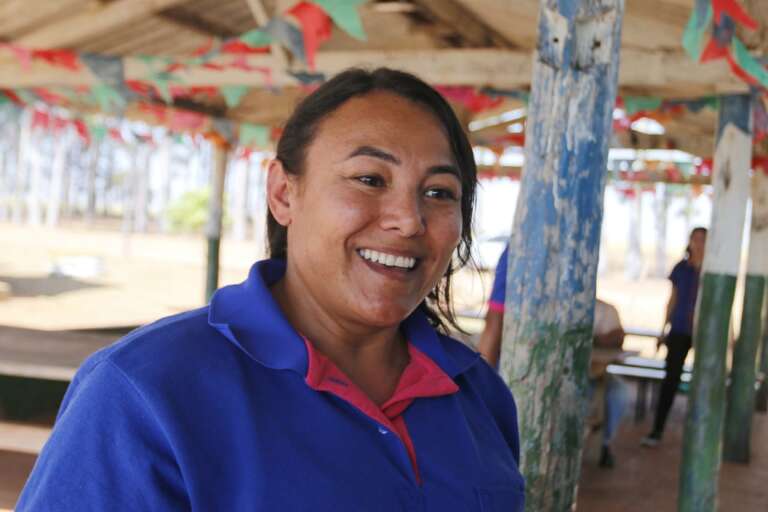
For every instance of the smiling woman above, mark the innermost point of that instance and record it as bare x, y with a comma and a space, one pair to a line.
325, 381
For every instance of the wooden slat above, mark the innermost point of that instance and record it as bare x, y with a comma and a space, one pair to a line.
21, 438
96, 20
52, 355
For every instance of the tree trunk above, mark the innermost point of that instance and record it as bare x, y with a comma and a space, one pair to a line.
555, 241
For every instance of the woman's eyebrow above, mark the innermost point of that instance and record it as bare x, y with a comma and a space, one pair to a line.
374, 153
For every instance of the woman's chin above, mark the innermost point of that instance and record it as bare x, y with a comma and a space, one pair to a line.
384, 314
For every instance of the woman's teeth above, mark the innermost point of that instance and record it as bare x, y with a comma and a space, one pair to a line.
390, 260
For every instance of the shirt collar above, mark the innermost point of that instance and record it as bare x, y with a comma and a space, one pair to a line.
249, 317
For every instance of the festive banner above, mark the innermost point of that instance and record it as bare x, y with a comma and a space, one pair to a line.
315, 27
345, 14
287, 35
233, 94
254, 135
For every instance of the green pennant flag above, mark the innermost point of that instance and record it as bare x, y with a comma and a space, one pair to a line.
107, 98
635, 104
160, 79
26, 96
97, 130
748, 63
695, 32
3, 98
344, 13
254, 134
256, 38
233, 94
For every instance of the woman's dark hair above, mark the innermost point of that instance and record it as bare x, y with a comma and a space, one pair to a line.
693, 232
300, 130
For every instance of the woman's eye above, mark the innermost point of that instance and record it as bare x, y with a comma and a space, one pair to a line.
371, 181
440, 193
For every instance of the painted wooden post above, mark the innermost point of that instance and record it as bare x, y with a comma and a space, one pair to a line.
220, 150
703, 426
741, 392
761, 400
555, 241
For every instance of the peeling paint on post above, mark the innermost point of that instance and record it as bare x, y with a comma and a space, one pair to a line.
704, 421
741, 393
555, 241
215, 215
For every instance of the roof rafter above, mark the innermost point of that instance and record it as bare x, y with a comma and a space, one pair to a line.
96, 20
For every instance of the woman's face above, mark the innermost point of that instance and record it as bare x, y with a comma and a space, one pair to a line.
697, 243
375, 217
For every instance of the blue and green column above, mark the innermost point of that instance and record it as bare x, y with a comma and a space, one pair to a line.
706, 408
555, 241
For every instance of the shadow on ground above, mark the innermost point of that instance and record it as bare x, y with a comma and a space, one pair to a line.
45, 285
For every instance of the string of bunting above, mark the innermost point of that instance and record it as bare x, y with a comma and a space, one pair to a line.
711, 34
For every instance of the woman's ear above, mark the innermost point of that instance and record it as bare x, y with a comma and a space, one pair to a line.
281, 192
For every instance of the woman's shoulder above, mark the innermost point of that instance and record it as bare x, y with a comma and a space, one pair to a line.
168, 344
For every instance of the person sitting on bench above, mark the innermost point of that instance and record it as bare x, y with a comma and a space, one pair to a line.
608, 333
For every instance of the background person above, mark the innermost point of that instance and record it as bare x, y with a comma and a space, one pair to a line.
607, 334
678, 328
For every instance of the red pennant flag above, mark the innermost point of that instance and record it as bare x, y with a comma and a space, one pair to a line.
40, 119
59, 124
236, 46
183, 120
48, 96
738, 71
315, 26
115, 134
733, 9
62, 58
158, 111
139, 87
82, 131
204, 48
713, 51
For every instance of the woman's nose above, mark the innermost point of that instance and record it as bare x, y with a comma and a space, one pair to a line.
403, 212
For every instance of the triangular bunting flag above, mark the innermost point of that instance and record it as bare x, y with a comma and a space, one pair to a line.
315, 26
287, 35
254, 134
344, 13
233, 94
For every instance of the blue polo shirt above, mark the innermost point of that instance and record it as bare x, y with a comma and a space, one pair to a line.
499, 290
685, 279
212, 410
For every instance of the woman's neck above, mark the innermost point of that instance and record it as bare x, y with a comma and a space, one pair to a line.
372, 357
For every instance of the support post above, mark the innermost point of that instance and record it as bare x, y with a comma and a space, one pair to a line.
633, 262
761, 400
22, 159
555, 241
741, 392
703, 426
219, 158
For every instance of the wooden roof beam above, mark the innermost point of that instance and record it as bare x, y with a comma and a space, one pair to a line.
93, 21
480, 67
463, 22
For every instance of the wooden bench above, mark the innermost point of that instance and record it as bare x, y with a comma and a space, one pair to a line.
646, 373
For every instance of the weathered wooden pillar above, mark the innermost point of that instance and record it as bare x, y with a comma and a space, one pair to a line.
703, 427
761, 400
220, 151
555, 240
741, 392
